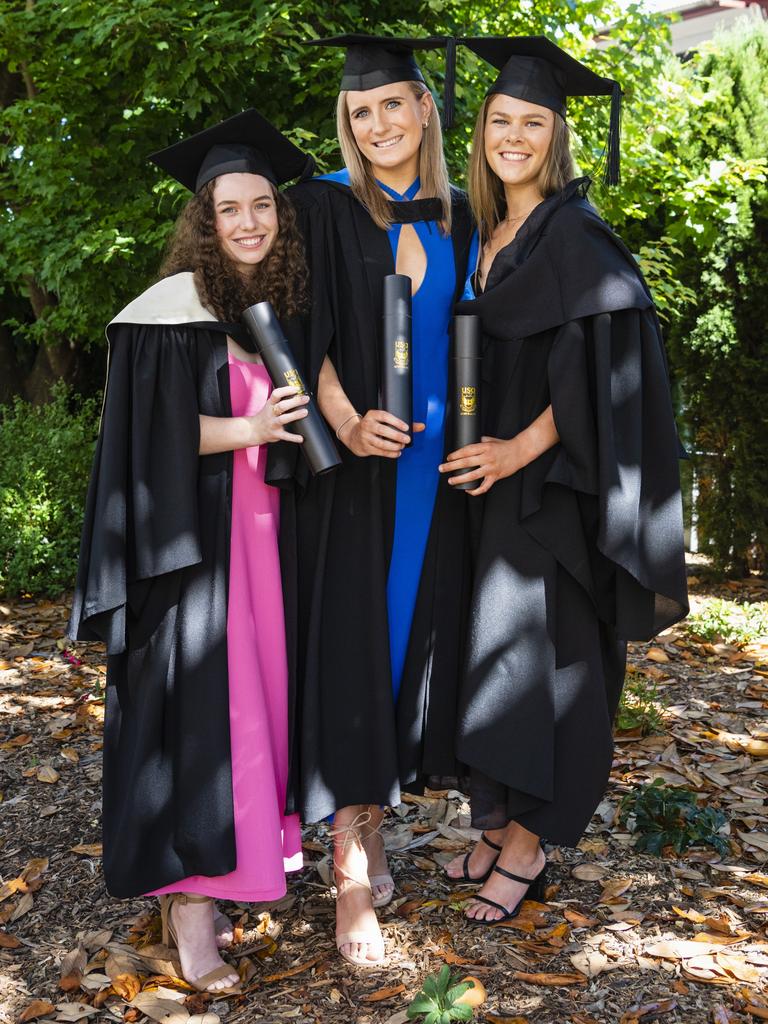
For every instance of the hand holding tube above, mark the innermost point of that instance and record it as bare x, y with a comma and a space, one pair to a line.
318, 447
378, 433
284, 406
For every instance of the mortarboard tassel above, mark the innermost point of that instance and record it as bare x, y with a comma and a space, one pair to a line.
612, 174
309, 168
449, 89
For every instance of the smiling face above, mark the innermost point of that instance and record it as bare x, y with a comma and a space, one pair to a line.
387, 124
517, 139
246, 217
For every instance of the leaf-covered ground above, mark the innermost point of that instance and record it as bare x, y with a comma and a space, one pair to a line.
623, 937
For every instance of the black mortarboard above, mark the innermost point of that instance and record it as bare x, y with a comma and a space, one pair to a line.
246, 143
533, 68
372, 61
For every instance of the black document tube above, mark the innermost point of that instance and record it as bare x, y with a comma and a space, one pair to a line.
318, 447
465, 413
396, 386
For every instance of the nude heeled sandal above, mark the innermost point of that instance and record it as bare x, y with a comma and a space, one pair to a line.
343, 881
169, 932
385, 879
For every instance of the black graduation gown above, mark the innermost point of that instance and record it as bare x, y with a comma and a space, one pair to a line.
583, 549
152, 585
350, 743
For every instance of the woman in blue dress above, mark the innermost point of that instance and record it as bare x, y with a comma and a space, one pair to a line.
381, 547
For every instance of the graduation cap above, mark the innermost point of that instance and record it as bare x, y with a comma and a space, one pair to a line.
246, 143
372, 61
533, 68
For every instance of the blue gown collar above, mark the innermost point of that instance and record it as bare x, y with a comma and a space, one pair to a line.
407, 196
342, 178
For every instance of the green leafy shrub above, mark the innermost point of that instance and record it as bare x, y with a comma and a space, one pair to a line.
729, 621
45, 458
670, 816
437, 1001
639, 706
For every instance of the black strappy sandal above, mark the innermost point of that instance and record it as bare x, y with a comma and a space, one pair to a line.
465, 876
534, 891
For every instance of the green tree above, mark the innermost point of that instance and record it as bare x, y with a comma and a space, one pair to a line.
88, 90
719, 346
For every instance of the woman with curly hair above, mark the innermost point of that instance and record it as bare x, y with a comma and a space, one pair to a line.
179, 572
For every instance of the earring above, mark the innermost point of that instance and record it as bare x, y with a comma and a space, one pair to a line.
425, 125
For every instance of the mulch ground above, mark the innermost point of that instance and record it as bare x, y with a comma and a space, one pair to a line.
624, 936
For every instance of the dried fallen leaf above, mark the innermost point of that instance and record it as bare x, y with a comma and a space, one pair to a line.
680, 949
17, 741
589, 962
383, 993
453, 958
37, 1008
616, 887
579, 920
47, 773
23, 907
761, 1012
657, 654
549, 979
757, 840
588, 872
34, 869
74, 1011
94, 940
636, 1013
296, 969
72, 967
400, 1017
166, 1010
87, 849
127, 986
721, 1016
9, 941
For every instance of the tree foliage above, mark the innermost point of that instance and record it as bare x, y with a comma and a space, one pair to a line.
88, 90
719, 345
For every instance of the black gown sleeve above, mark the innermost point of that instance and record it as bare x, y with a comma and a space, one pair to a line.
141, 517
315, 224
607, 498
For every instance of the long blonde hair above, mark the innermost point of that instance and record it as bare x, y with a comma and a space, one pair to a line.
432, 169
486, 189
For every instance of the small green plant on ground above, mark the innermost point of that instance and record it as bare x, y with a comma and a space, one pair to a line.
437, 1003
728, 621
639, 707
670, 816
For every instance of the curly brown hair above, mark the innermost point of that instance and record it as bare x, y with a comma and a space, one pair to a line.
280, 278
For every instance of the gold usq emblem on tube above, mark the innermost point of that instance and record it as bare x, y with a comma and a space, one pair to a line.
401, 360
293, 378
467, 401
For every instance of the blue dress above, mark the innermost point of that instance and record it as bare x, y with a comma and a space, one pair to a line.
417, 474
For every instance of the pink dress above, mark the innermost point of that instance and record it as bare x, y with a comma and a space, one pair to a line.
268, 843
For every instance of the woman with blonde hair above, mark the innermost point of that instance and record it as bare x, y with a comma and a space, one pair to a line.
581, 542
382, 552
